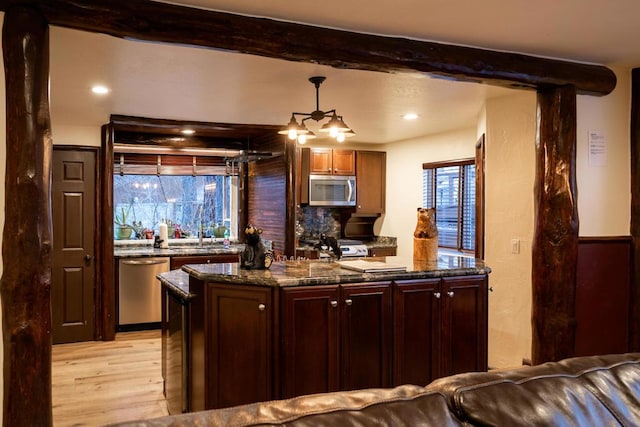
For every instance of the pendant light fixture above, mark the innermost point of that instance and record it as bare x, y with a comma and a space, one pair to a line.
335, 127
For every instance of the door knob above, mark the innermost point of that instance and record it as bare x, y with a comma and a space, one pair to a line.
87, 257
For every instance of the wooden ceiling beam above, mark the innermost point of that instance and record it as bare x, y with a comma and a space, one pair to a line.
162, 22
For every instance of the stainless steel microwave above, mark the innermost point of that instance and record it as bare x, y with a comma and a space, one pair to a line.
332, 190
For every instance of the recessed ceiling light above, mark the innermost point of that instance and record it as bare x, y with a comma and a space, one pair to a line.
100, 90
188, 131
410, 116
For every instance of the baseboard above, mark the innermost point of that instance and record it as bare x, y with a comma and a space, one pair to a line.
138, 327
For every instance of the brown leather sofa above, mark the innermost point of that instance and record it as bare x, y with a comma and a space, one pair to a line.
584, 391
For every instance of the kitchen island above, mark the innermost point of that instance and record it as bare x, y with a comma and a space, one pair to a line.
233, 336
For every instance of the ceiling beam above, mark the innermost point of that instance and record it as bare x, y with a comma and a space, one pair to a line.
161, 22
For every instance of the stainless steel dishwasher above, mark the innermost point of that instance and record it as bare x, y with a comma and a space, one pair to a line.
139, 296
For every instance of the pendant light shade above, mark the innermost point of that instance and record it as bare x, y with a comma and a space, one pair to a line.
335, 128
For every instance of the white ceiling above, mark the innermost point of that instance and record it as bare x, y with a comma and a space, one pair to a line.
181, 83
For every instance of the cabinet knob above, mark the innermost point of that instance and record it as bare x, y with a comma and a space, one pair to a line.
450, 293
261, 307
348, 301
334, 303
329, 169
491, 289
436, 294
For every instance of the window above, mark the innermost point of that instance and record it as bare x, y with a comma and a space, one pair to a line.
450, 188
179, 195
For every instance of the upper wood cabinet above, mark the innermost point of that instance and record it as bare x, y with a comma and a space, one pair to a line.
371, 172
328, 161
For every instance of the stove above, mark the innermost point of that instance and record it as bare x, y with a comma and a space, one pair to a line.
349, 248
353, 248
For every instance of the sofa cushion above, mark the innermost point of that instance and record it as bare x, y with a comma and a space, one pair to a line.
401, 406
598, 390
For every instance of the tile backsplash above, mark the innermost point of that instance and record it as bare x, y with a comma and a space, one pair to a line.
316, 220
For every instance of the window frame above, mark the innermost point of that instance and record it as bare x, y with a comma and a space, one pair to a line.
463, 181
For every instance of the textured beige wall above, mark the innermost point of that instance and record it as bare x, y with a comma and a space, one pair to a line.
510, 168
509, 123
604, 192
76, 135
404, 179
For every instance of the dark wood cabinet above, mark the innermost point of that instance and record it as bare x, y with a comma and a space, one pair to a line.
416, 337
179, 261
464, 325
365, 335
328, 161
310, 354
382, 252
370, 182
440, 328
229, 344
238, 345
335, 338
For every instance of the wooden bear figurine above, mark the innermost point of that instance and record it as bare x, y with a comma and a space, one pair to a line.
425, 236
255, 254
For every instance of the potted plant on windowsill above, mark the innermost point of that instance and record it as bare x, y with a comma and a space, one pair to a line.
123, 228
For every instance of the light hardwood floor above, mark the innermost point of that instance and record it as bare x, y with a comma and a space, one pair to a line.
101, 382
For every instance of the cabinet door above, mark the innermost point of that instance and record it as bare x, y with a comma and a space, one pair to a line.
464, 324
416, 336
309, 340
321, 162
344, 162
382, 251
370, 182
238, 328
365, 335
325, 161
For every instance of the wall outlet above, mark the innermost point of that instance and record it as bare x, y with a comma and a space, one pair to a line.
515, 246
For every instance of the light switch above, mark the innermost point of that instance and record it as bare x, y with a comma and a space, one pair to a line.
515, 246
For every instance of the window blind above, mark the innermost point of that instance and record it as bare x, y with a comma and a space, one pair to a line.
450, 188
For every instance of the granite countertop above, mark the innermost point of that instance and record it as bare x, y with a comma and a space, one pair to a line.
177, 281
321, 272
175, 250
376, 242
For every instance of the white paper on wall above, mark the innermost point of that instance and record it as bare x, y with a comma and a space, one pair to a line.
597, 148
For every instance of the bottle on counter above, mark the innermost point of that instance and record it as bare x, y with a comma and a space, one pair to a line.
164, 236
226, 243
